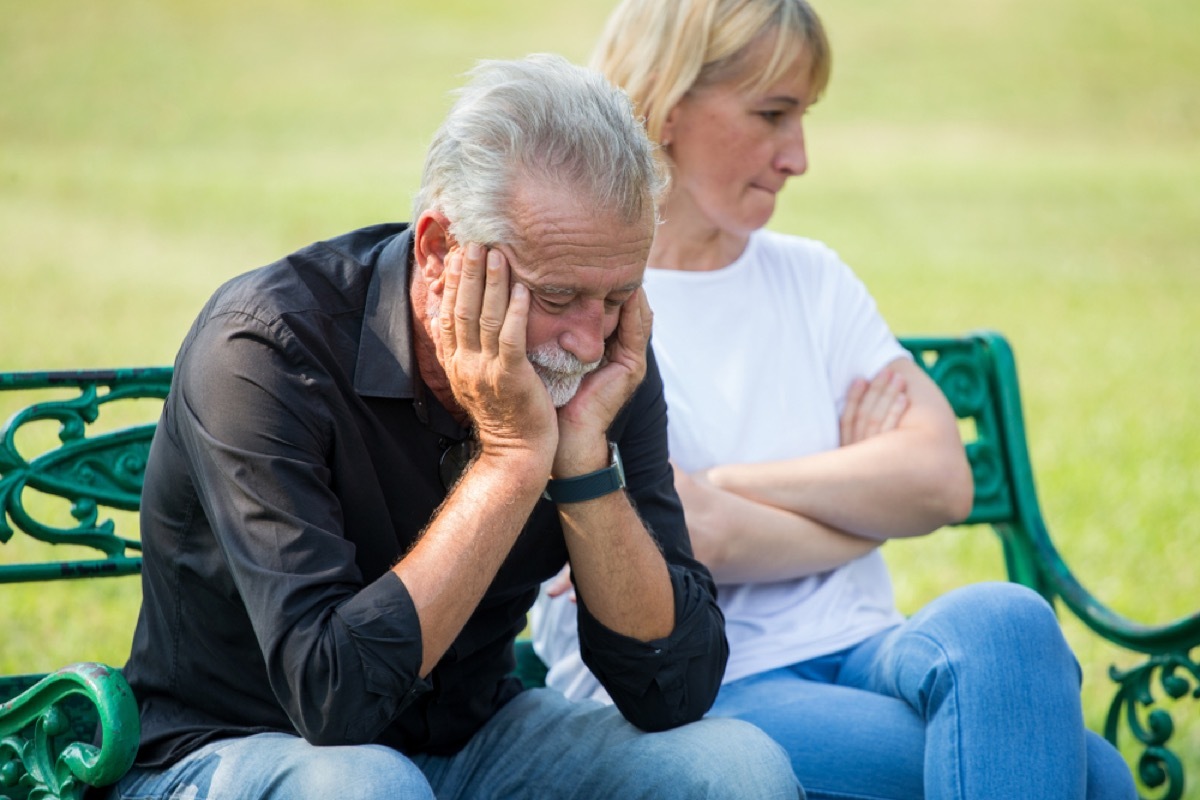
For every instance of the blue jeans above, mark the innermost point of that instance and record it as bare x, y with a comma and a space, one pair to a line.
975, 696
540, 745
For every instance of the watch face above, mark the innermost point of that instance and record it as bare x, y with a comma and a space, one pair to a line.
618, 463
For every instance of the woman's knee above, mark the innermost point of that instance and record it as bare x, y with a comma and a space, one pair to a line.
996, 621
1108, 776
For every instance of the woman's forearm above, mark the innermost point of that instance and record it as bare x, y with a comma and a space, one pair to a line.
741, 540
905, 482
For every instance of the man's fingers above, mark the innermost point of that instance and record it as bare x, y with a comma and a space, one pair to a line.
470, 297
516, 320
633, 326
450, 280
494, 303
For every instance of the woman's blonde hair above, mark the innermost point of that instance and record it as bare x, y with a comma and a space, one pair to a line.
658, 50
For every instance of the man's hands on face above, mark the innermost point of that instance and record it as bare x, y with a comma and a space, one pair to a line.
583, 422
483, 318
481, 344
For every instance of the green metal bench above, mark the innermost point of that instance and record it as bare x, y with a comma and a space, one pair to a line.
48, 724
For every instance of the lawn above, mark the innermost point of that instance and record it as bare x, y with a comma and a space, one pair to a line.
1025, 166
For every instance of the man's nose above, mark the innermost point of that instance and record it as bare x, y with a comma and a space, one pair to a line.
585, 333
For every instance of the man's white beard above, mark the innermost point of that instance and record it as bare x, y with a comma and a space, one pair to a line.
560, 371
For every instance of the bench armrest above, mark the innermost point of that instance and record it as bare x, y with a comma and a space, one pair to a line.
46, 733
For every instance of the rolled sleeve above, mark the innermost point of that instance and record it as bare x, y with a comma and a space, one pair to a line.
382, 648
668, 682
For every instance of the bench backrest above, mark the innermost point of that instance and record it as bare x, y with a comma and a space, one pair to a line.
92, 466
96, 462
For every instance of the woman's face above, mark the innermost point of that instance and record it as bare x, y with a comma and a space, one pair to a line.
733, 148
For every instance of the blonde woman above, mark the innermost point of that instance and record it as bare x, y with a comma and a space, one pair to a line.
804, 437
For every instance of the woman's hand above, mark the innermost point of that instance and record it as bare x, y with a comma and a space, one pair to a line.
873, 407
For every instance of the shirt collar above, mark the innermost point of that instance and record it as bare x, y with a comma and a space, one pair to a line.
386, 366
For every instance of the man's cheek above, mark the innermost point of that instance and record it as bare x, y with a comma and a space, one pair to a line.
537, 331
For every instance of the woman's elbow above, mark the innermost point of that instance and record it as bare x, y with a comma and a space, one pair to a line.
958, 490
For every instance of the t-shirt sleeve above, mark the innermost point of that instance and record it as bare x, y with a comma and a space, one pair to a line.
856, 339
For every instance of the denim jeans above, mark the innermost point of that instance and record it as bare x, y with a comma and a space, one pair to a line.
540, 745
975, 696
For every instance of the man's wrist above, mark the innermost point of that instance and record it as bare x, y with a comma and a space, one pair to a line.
520, 468
581, 455
590, 485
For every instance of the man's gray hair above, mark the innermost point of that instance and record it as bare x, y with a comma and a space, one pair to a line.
539, 118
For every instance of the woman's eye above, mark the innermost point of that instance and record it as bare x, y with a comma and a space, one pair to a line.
771, 116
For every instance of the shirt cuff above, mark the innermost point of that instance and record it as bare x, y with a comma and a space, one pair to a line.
664, 682
383, 628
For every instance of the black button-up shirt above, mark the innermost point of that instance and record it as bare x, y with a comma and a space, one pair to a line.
296, 461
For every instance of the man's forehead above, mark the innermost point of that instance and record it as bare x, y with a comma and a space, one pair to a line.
570, 289
567, 265
564, 255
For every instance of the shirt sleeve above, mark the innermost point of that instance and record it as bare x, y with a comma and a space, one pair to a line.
857, 341
672, 681
252, 415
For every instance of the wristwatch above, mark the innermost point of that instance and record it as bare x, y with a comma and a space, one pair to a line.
589, 486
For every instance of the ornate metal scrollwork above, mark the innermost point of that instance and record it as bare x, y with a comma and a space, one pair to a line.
956, 366
88, 471
987, 470
962, 380
1158, 766
44, 734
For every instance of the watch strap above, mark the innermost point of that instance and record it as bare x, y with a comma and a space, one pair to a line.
591, 485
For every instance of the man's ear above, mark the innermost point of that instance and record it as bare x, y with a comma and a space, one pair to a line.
432, 242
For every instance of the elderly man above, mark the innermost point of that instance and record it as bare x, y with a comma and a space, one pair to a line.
373, 452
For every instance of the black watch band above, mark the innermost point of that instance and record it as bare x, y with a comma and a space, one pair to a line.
589, 486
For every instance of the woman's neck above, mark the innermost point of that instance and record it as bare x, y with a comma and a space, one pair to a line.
688, 242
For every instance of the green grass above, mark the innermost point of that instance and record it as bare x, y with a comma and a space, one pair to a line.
1008, 164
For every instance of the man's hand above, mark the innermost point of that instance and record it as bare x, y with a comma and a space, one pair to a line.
584, 421
873, 408
481, 345
480, 342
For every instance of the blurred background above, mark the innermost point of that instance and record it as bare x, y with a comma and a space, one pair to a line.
1020, 165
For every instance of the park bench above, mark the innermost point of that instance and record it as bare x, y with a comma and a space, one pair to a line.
59, 489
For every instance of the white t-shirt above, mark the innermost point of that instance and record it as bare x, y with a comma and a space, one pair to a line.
756, 359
